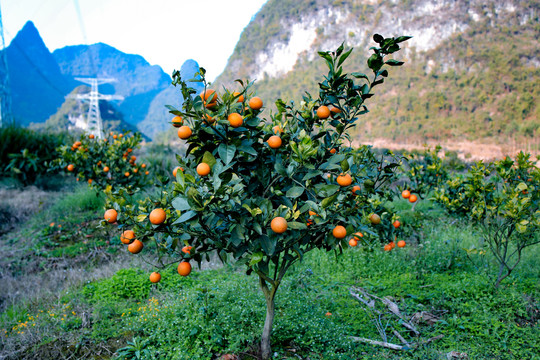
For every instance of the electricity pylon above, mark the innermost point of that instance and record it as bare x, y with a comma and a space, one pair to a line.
5, 90
93, 121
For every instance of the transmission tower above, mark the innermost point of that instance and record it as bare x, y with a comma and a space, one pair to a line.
93, 122
5, 90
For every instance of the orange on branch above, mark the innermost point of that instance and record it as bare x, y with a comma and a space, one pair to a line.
184, 132
323, 112
344, 179
177, 121
339, 232
203, 169
155, 277
235, 120
255, 103
184, 268
157, 216
274, 142
127, 237
111, 215
278, 225
135, 247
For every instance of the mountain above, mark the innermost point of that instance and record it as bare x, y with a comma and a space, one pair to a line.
71, 109
37, 84
472, 67
136, 80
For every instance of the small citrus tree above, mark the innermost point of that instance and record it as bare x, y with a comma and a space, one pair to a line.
263, 193
503, 198
425, 171
107, 164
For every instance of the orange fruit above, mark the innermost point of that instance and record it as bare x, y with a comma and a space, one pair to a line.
312, 213
310, 222
129, 150
143, 166
115, 136
355, 189
255, 103
339, 232
328, 314
120, 135
392, 244
184, 268
209, 98
387, 247
155, 277
358, 235
111, 133
146, 172
187, 249
396, 224
90, 181
157, 216
135, 170
203, 169
70, 167
344, 179
335, 110
133, 157
274, 141
208, 119
127, 237
375, 219
184, 132
278, 225
277, 129
333, 151
412, 198
135, 247
240, 98
323, 112
353, 242
91, 136
126, 174
111, 215
235, 120
106, 169
77, 143
175, 171
401, 243
405, 194
177, 121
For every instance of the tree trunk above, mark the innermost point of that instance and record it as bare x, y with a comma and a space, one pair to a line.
500, 275
266, 351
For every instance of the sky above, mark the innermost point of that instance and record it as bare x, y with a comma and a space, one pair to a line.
164, 32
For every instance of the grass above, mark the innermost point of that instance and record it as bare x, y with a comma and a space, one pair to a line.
219, 311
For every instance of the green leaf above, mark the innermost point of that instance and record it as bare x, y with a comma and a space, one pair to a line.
141, 218
294, 192
329, 200
248, 149
402, 38
295, 225
521, 187
268, 244
311, 174
226, 153
181, 203
255, 258
378, 38
185, 217
360, 75
394, 62
325, 190
209, 159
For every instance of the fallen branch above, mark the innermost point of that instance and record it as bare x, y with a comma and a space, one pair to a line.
380, 343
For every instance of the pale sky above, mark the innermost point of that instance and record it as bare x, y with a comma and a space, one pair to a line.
164, 32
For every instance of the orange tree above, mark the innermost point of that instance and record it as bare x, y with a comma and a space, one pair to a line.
425, 171
503, 198
263, 193
107, 164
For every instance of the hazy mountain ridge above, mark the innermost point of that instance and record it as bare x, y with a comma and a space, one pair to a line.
464, 57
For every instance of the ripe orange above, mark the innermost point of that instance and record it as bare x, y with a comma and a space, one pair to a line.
91, 136
106, 169
135, 170
401, 243
396, 224
375, 219
177, 121
127, 237
184, 268
187, 249
111, 133
129, 150
77, 143
111, 215
357, 236
333, 151
323, 112
143, 166
328, 314
115, 136
353, 242
70, 167
312, 213
412, 198
157, 216
274, 142
387, 247
235, 120
277, 129
405, 194
392, 244
90, 181
240, 98
175, 171
278, 225
255, 103
355, 189
155, 277
135, 247
146, 172
344, 179
310, 222
126, 174
184, 132
335, 110
339, 232
209, 98
203, 169
208, 119
120, 135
